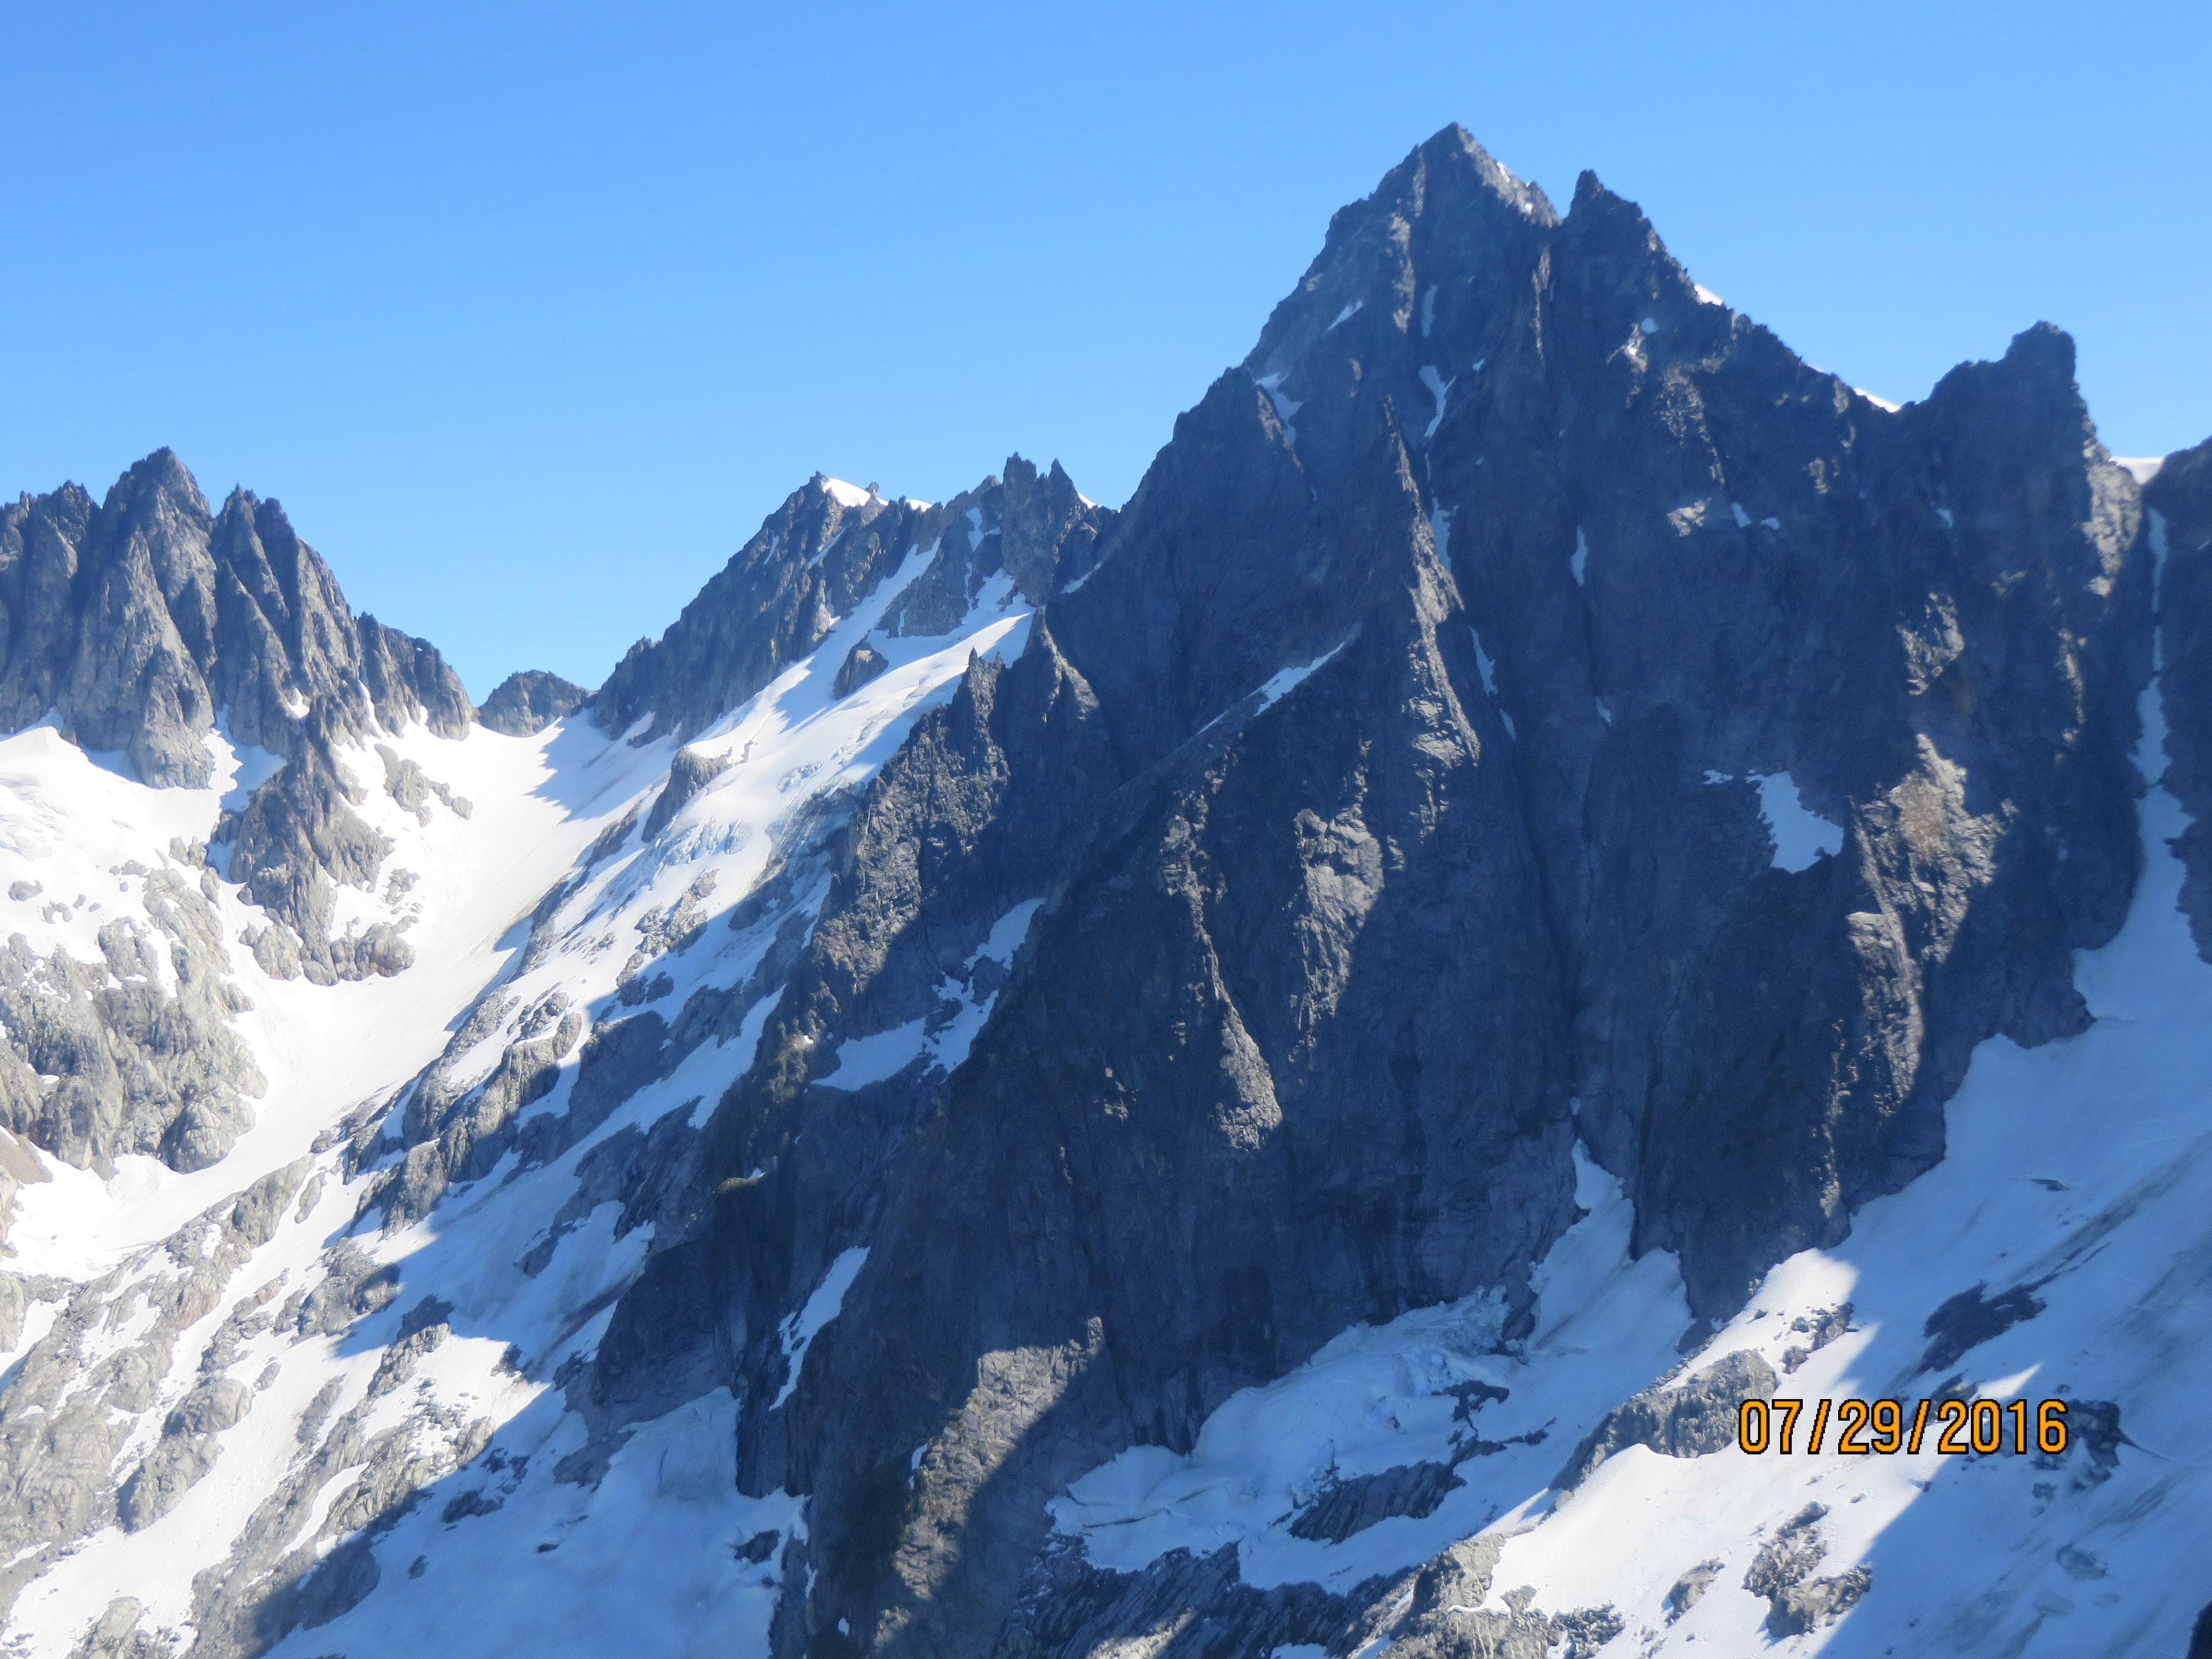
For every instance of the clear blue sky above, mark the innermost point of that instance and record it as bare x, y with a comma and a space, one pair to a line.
529, 312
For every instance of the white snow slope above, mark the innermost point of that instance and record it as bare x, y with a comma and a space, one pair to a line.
652, 1561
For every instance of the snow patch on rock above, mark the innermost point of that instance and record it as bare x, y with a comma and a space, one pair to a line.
1801, 836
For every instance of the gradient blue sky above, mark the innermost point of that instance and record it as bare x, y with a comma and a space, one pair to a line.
528, 313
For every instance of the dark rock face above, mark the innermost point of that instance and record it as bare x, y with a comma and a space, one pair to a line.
1191, 1606
2093, 1439
1822, 1325
1648, 635
1354, 1506
525, 703
1690, 1589
769, 605
863, 663
70, 1402
1522, 702
141, 623
2180, 500
688, 774
297, 833
1069, 1611
1968, 1319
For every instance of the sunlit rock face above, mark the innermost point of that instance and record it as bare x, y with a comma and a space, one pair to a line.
1260, 1073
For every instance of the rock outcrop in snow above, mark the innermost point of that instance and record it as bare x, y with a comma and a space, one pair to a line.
525, 703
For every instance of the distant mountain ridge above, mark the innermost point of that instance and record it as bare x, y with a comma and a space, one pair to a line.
825, 549
138, 618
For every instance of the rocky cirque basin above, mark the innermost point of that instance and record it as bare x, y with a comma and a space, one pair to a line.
1257, 1075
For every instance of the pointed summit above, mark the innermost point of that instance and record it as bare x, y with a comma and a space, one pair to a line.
1453, 150
1450, 214
161, 471
527, 702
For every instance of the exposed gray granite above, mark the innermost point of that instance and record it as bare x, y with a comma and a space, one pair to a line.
143, 619
74, 1398
526, 703
1782, 1571
138, 1044
862, 664
688, 772
1694, 1419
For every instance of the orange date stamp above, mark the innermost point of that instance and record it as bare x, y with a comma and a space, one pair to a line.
1885, 1427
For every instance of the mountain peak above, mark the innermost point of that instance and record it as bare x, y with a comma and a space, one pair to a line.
163, 469
1453, 151
825, 553
1448, 218
527, 702
160, 486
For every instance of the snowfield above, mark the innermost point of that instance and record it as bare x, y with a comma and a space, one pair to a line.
663, 1556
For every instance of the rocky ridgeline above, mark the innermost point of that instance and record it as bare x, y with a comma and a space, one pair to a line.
143, 620
820, 554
